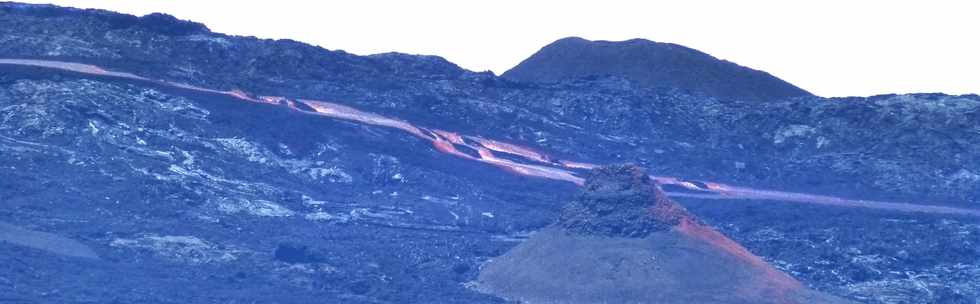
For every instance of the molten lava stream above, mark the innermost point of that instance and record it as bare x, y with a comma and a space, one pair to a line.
443, 141
784, 284
70, 66
769, 278
512, 149
711, 236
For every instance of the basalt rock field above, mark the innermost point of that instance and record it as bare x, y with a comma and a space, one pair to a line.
151, 160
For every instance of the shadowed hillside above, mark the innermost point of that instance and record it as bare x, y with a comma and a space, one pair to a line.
652, 64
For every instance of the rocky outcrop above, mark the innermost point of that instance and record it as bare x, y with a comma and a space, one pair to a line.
620, 202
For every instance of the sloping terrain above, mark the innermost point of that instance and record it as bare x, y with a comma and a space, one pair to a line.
209, 191
652, 64
623, 241
175, 187
873, 146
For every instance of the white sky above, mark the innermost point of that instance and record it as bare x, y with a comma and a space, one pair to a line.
829, 47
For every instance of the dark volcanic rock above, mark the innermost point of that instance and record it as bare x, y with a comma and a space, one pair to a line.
652, 64
290, 252
177, 189
869, 146
620, 201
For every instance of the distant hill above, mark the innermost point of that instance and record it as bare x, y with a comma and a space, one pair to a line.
653, 64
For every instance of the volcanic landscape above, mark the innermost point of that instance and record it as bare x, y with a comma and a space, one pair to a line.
151, 160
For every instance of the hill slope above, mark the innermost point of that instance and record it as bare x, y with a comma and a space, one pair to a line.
174, 179
653, 64
623, 241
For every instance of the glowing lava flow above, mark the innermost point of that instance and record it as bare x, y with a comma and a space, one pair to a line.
545, 167
70, 66
334, 110
731, 192
513, 149
699, 231
446, 141
443, 141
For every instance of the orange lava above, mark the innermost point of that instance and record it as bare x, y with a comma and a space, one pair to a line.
334, 110
547, 167
448, 148
733, 192
577, 165
484, 153
513, 149
69, 66
770, 280
452, 137
783, 284
273, 100
711, 236
241, 95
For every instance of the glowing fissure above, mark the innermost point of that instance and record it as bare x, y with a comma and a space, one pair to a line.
546, 167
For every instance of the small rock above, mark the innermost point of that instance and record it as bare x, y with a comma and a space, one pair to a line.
295, 253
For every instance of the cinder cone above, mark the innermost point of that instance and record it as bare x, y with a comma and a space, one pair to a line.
623, 241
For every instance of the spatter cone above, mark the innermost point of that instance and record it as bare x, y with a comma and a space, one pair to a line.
621, 240
620, 201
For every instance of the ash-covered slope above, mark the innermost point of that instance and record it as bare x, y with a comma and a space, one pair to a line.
651, 64
623, 241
